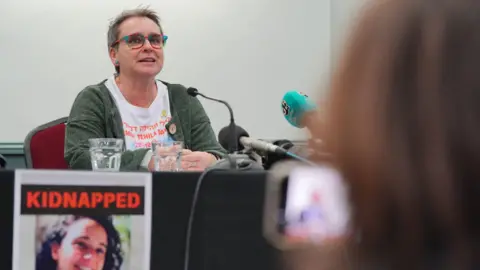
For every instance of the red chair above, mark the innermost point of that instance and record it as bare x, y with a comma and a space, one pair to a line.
44, 146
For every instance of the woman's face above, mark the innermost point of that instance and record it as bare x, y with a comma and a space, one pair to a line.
144, 61
83, 247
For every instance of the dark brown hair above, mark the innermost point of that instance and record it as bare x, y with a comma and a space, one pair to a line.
403, 126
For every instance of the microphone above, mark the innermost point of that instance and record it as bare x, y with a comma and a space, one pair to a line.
232, 143
298, 109
229, 141
289, 146
246, 142
225, 135
249, 143
296, 106
262, 146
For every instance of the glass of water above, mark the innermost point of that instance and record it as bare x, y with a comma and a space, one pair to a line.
106, 154
167, 155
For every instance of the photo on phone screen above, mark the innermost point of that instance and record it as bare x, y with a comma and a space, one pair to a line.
316, 207
305, 205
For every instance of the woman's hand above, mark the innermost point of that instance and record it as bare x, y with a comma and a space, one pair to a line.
197, 161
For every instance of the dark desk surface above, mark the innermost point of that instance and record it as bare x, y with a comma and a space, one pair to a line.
227, 230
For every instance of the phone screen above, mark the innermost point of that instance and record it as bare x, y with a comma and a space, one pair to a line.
314, 206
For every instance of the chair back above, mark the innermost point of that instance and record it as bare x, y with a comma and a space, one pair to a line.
44, 146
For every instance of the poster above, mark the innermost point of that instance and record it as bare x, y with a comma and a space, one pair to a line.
66, 220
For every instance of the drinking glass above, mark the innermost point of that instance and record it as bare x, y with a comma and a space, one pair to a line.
106, 154
167, 155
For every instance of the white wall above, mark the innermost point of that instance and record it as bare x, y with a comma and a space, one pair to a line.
249, 52
344, 14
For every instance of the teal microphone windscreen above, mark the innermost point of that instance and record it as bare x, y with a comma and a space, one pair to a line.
294, 106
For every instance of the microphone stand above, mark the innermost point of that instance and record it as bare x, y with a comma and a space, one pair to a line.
254, 155
236, 161
232, 146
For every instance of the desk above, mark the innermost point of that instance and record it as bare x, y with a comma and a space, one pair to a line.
227, 230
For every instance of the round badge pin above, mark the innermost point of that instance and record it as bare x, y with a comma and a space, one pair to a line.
172, 129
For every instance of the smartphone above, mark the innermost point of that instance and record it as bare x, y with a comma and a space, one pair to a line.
305, 205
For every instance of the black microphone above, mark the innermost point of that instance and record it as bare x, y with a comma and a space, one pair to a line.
232, 143
225, 135
244, 141
289, 146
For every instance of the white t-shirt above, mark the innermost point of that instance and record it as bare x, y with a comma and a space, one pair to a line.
141, 126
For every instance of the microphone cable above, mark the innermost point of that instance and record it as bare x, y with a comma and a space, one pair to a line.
191, 216
193, 207
299, 158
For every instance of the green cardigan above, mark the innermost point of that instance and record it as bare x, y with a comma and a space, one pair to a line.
94, 114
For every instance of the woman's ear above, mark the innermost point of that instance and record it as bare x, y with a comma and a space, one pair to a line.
55, 249
113, 56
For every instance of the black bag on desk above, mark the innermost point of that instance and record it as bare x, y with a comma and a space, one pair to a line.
3, 162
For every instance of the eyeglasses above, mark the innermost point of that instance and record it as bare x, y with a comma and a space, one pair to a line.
136, 41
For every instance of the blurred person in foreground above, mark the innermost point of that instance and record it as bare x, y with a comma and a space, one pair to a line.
403, 128
134, 106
